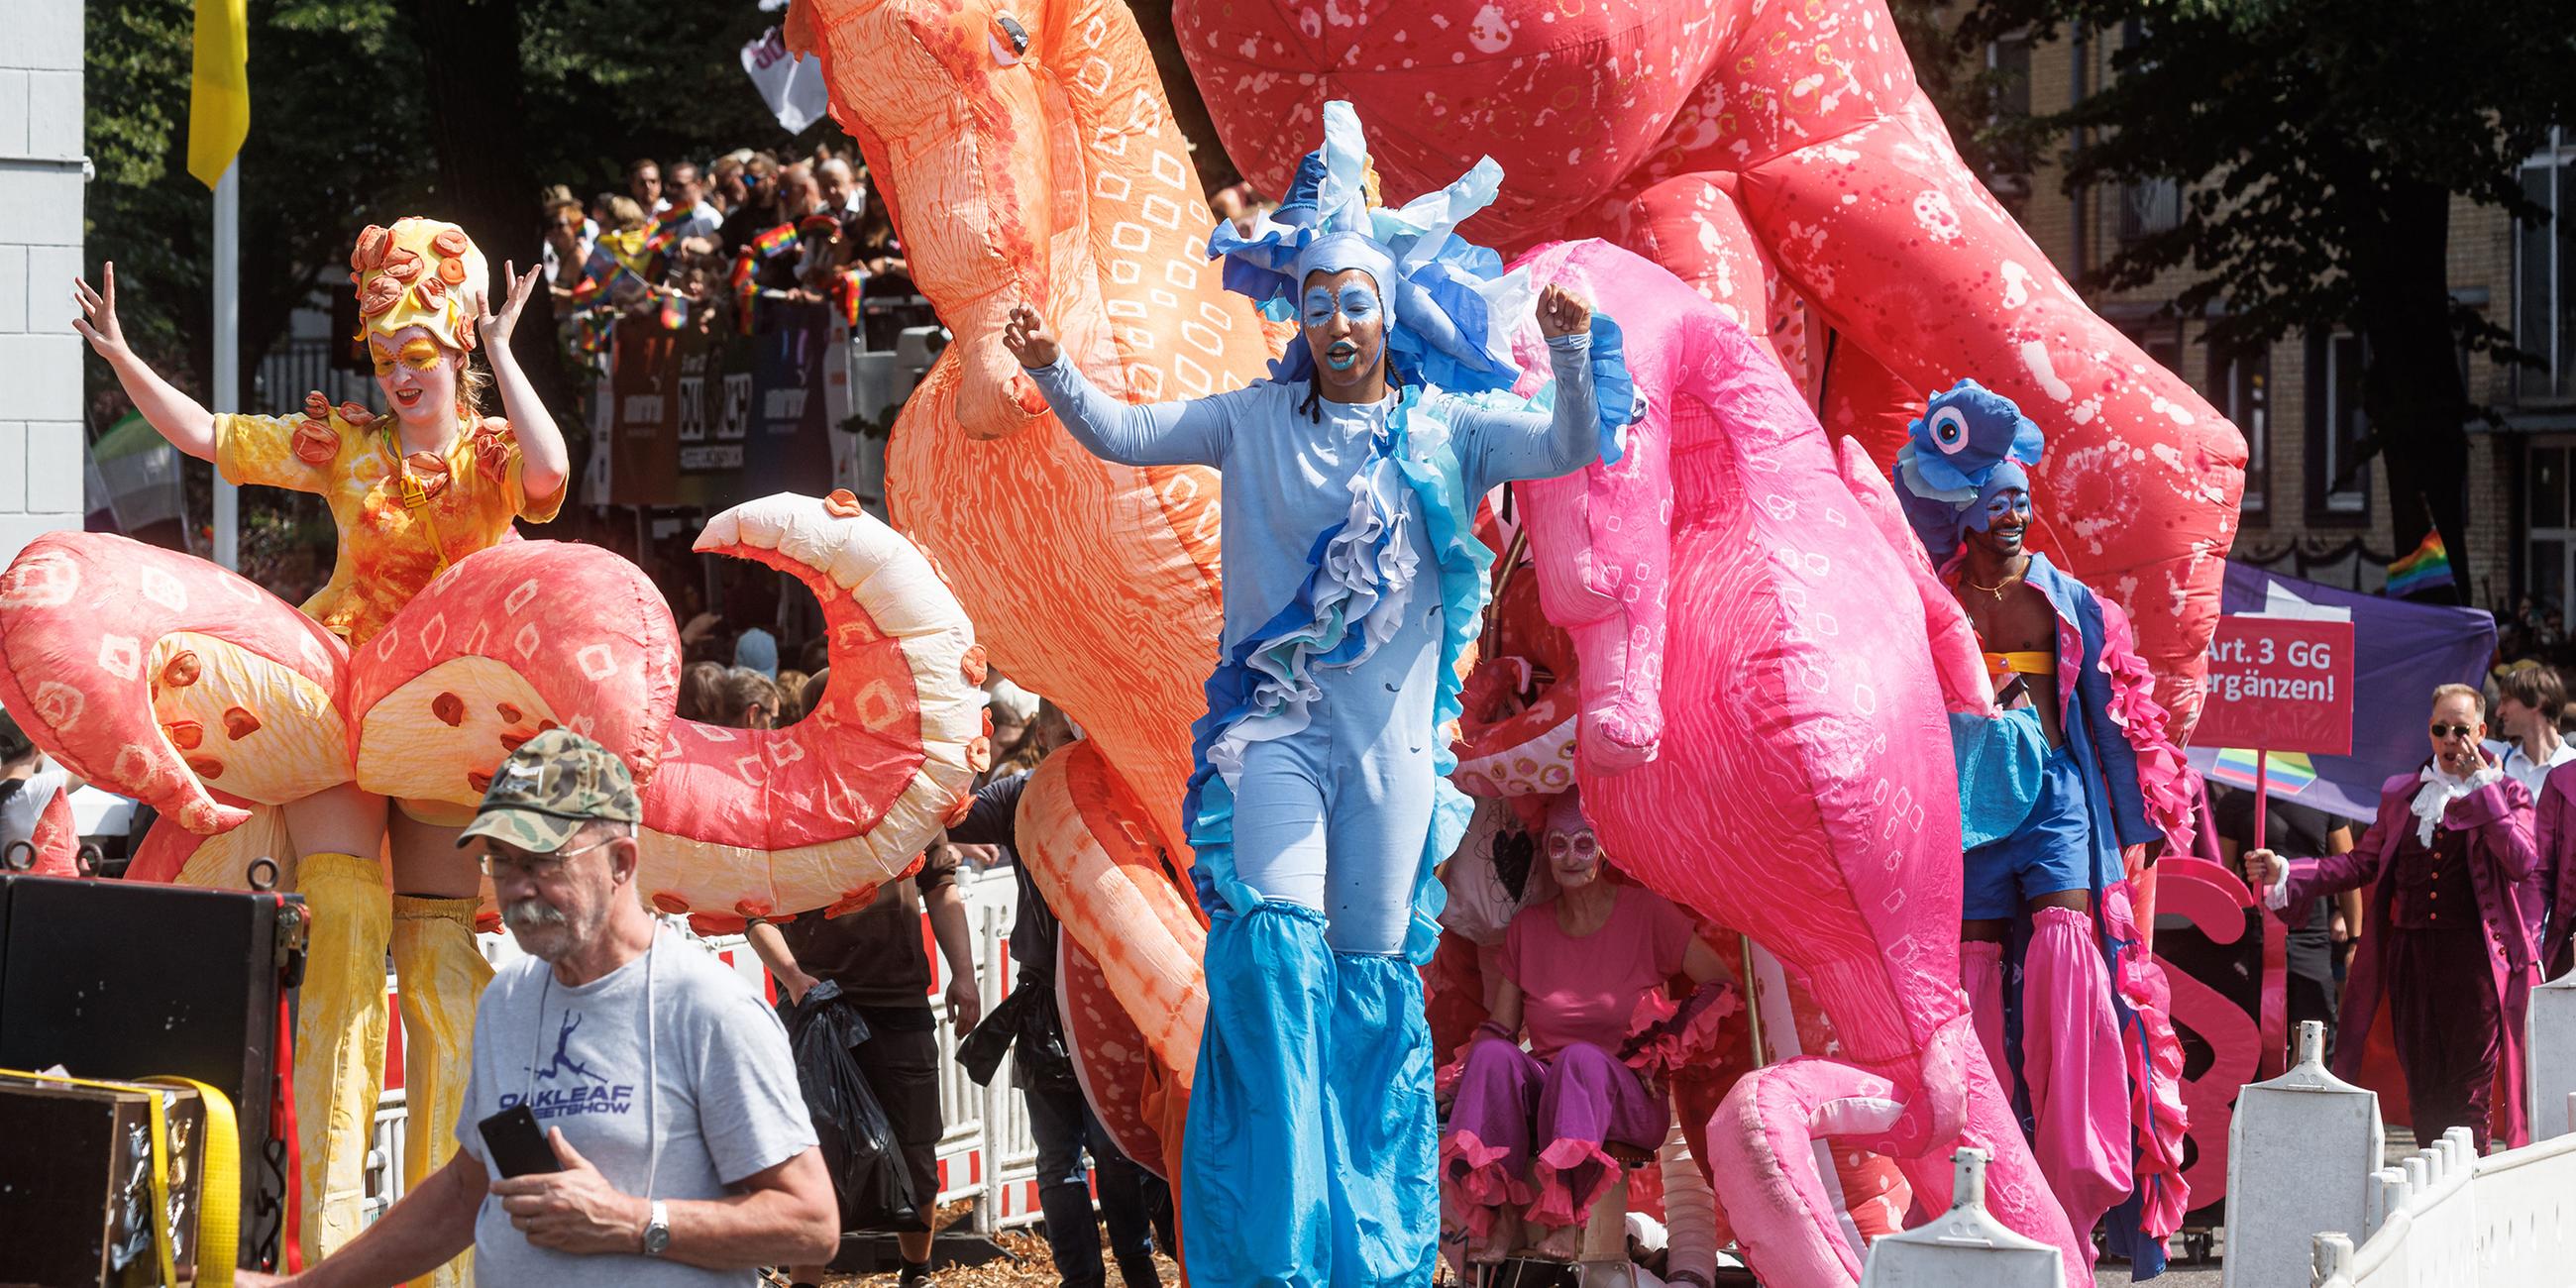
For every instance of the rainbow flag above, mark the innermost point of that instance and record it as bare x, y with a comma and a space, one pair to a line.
774, 241
2429, 568
2288, 774
846, 286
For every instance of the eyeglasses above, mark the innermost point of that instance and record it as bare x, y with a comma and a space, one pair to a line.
2451, 731
1582, 845
540, 869
565, 225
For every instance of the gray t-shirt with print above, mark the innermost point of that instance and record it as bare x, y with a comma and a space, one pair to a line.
710, 1073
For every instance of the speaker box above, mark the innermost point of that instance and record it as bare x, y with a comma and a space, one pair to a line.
111, 979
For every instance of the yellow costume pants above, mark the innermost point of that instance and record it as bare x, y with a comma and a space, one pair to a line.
442, 975
339, 1040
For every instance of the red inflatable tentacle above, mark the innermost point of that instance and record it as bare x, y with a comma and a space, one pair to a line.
87, 655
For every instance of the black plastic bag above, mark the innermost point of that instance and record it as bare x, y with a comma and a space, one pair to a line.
859, 1147
1026, 1021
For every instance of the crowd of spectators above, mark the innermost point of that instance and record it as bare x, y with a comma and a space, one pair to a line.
694, 246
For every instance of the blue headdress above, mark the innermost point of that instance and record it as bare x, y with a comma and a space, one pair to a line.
1970, 447
1451, 307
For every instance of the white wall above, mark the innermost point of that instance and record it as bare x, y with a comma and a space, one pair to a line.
41, 176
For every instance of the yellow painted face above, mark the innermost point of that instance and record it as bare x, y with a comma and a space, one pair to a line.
418, 353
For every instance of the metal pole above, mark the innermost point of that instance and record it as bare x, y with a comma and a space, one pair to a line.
227, 322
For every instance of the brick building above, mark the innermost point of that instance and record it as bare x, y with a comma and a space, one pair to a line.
2309, 510
41, 172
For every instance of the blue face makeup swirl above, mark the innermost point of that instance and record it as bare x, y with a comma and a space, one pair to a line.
1357, 303
2012, 506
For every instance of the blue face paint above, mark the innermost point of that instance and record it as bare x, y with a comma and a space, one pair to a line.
1356, 303
2004, 507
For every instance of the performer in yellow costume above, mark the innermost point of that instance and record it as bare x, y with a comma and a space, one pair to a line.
413, 490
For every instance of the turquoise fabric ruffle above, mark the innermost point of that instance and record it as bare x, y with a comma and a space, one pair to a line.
1270, 676
2001, 760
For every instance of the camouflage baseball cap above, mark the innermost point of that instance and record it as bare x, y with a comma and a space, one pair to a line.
549, 787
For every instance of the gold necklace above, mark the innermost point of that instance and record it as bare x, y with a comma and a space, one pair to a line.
1996, 590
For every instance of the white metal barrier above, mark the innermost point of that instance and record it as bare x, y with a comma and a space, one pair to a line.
2307, 1200
2309, 1124
2449, 1219
986, 1154
1965, 1247
2549, 1044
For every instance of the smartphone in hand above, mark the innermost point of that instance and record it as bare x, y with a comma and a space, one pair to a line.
516, 1145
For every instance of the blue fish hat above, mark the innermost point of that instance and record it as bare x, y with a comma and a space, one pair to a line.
1971, 446
1451, 308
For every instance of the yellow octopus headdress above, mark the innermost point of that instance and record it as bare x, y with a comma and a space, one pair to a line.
420, 272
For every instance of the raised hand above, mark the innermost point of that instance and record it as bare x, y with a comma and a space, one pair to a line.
1562, 312
98, 321
1025, 335
495, 330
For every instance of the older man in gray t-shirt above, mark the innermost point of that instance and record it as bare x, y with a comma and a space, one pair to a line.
663, 1085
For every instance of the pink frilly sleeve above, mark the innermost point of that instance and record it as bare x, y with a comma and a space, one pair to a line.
2155, 1059
1665, 1037
2164, 778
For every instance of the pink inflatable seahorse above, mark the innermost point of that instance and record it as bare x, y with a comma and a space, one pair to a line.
1766, 666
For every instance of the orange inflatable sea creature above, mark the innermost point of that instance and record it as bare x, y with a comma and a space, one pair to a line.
1029, 157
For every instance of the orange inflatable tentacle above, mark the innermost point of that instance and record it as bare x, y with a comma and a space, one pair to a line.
746, 823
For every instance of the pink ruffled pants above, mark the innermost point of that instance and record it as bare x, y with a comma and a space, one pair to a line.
2072, 1063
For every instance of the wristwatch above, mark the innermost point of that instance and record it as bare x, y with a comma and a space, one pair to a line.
657, 1230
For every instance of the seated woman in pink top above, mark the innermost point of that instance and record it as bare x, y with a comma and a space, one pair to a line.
1586, 974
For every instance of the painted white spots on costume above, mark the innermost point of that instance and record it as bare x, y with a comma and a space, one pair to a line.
2016, 285
1940, 220
2034, 355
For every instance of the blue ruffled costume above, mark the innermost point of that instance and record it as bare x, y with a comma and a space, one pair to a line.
1320, 800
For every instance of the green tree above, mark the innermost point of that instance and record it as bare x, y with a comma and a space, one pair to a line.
2320, 144
366, 110
335, 108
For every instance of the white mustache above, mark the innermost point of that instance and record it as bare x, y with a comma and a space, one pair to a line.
529, 914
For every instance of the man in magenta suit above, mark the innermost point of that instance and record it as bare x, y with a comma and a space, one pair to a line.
2454, 912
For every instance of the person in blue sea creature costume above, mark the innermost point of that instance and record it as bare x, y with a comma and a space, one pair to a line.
2065, 997
1319, 802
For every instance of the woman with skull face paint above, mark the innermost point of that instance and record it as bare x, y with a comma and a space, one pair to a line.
426, 483
1585, 972
1353, 584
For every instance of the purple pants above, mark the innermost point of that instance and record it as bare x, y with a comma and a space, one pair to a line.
2442, 1011
1526, 1133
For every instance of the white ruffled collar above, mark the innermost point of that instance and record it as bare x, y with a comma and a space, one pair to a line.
2439, 789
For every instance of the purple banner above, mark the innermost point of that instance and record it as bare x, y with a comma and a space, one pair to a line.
2401, 651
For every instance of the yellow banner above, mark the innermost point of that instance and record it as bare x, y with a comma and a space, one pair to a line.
218, 89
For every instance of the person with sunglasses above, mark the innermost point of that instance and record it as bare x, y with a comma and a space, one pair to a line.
659, 1083
2450, 865
1525, 1152
569, 234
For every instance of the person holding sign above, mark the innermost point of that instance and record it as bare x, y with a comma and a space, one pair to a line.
2451, 866
2047, 896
